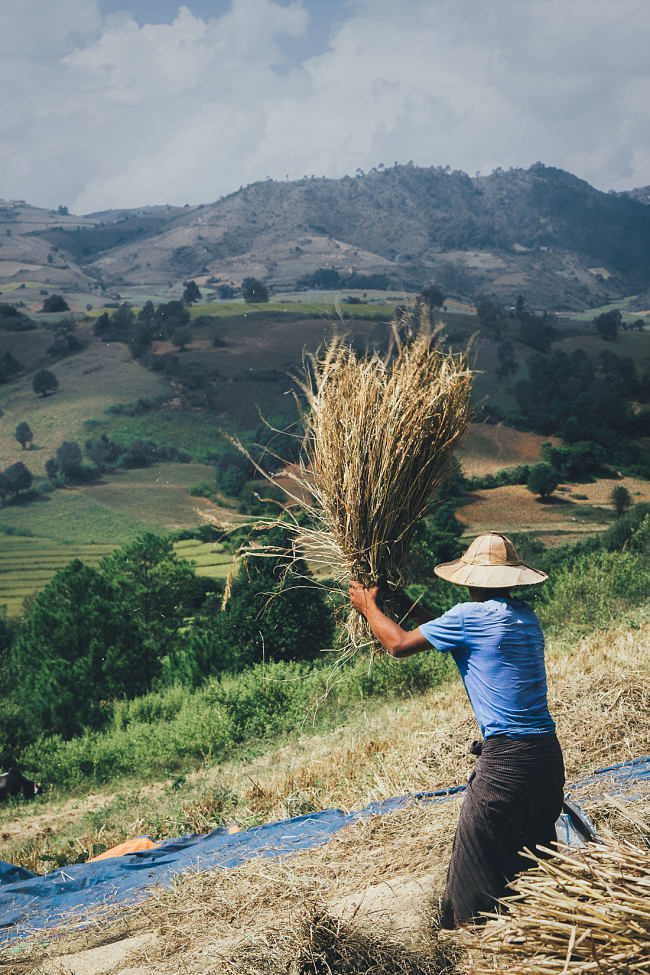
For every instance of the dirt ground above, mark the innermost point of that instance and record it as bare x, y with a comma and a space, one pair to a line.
489, 447
513, 508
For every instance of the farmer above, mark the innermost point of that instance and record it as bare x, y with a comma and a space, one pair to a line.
515, 794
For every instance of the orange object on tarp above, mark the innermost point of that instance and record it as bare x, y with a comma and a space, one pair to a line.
144, 843
131, 846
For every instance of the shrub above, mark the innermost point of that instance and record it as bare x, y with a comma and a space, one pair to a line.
45, 382
254, 290
55, 303
542, 480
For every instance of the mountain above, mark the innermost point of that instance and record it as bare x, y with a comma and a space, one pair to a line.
541, 231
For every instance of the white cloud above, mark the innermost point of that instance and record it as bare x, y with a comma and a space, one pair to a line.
102, 113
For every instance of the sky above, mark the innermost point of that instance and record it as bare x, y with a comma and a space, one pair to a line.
124, 103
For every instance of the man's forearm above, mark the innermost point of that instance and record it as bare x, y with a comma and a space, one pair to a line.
398, 642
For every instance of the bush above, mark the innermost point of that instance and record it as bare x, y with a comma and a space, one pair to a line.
12, 319
44, 382
580, 460
161, 731
595, 588
254, 290
55, 303
542, 480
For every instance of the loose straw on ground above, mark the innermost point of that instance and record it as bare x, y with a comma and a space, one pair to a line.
575, 913
380, 431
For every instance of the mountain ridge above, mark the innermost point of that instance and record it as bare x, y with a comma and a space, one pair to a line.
542, 231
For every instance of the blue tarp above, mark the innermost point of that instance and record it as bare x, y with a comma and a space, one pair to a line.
29, 901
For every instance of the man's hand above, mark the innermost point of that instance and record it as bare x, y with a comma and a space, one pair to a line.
398, 642
362, 598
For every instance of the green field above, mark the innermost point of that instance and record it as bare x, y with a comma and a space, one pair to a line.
28, 564
590, 313
323, 309
196, 431
292, 305
117, 508
17, 285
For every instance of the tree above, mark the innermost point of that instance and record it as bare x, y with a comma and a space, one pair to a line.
273, 620
18, 478
69, 459
537, 331
232, 480
191, 293
542, 480
433, 296
506, 358
146, 313
9, 366
225, 291
65, 342
52, 468
158, 592
608, 323
23, 434
169, 317
77, 648
181, 337
621, 499
254, 290
55, 303
490, 317
45, 382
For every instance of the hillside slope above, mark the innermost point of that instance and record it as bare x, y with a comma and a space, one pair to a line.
381, 875
541, 230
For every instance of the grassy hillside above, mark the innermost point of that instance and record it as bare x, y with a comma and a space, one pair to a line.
89, 383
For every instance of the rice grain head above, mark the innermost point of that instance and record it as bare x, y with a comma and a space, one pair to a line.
379, 435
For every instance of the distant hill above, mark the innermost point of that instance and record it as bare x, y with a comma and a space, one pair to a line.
541, 231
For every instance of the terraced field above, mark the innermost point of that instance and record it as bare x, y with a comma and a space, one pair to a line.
28, 564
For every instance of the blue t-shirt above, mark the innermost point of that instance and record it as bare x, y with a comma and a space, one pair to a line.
498, 647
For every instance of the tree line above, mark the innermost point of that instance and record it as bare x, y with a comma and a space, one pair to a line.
143, 619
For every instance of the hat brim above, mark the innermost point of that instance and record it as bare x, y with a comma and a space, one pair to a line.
489, 576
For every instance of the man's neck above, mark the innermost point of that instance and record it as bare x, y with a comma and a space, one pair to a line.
478, 595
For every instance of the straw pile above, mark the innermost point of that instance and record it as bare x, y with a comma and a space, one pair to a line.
589, 912
379, 434
329, 946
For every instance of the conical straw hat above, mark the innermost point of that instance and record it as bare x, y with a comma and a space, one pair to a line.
490, 562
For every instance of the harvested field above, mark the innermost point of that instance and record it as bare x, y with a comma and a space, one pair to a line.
599, 493
513, 508
489, 447
378, 877
568, 513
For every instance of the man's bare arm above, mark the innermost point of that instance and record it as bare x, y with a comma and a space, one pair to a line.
398, 641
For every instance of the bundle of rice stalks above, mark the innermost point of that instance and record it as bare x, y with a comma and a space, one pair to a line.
586, 912
329, 946
379, 435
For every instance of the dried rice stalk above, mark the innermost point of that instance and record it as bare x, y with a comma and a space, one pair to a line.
379, 435
573, 914
329, 946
